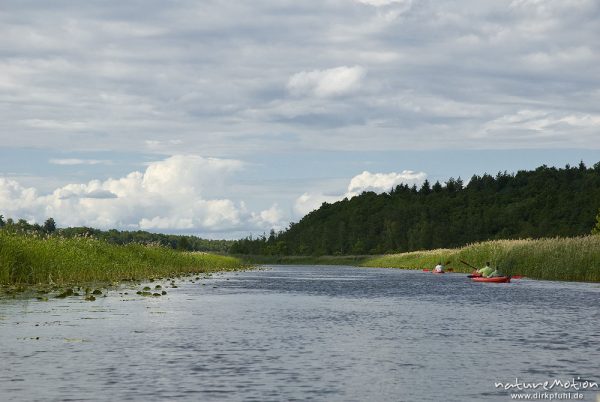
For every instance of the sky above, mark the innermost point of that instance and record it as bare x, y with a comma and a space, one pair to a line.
227, 118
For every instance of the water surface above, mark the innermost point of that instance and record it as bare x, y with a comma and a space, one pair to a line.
302, 333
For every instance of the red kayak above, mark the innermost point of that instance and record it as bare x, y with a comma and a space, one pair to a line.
436, 272
426, 270
497, 279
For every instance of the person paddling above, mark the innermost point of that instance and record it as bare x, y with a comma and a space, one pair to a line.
439, 268
495, 274
485, 271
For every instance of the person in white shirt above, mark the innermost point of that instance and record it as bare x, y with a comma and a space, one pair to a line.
439, 268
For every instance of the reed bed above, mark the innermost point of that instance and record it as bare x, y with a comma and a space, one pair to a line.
54, 260
566, 259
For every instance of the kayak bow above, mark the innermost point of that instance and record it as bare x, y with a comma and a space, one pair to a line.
497, 279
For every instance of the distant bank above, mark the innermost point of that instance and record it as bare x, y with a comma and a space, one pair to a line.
563, 259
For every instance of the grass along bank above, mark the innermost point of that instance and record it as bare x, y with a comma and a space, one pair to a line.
30, 260
563, 259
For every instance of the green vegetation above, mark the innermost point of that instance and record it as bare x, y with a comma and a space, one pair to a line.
567, 259
33, 259
546, 202
596, 228
113, 236
353, 260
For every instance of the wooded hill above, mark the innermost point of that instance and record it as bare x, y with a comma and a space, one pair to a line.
546, 202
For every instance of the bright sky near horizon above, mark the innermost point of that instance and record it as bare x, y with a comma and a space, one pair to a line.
226, 118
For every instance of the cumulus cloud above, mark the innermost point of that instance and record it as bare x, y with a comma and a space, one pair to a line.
272, 217
381, 182
84, 192
326, 83
366, 181
310, 201
171, 194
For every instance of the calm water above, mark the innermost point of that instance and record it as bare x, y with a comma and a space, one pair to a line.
303, 333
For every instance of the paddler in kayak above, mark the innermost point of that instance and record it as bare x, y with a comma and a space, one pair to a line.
439, 269
485, 271
495, 274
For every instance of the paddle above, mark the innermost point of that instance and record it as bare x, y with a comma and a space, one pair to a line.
469, 265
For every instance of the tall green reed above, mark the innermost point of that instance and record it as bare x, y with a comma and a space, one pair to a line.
42, 260
569, 259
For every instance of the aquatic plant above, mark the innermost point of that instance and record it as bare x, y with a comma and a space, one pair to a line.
568, 259
54, 260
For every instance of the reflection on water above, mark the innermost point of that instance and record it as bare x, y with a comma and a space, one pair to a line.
303, 333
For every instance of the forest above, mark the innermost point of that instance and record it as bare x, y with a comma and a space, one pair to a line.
545, 202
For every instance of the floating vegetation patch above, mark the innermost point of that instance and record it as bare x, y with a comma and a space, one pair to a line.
66, 293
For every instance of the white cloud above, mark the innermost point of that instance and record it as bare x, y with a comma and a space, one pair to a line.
326, 83
541, 121
272, 217
208, 79
75, 161
310, 201
172, 194
381, 182
366, 181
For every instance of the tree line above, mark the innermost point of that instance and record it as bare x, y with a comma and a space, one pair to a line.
545, 202
113, 236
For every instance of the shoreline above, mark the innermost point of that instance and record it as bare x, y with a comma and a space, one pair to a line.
574, 259
52, 263
144, 287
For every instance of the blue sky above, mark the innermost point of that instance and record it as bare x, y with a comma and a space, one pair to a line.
225, 118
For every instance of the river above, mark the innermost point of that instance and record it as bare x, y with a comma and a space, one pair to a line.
322, 333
